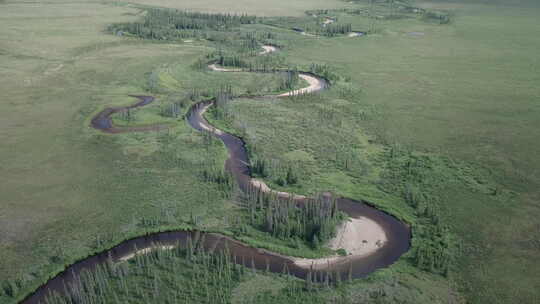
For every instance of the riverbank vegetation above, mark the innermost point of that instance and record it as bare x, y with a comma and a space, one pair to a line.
192, 275
434, 251
166, 24
343, 21
313, 222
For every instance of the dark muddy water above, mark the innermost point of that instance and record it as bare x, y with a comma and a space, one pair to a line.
102, 121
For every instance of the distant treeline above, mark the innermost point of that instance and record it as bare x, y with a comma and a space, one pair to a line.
168, 24
387, 9
330, 30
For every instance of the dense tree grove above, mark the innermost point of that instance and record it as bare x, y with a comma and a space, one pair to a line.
313, 221
324, 71
259, 168
332, 30
289, 80
387, 9
232, 60
168, 24
189, 274
222, 97
251, 41
329, 30
194, 275
283, 174
241, 58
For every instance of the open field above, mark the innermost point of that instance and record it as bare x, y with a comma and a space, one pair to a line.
461, 100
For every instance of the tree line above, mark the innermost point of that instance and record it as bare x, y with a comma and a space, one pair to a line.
262, 168
187, 272
169, 24
313, 221
182, 274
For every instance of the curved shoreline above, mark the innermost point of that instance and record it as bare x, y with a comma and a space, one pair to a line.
368, 234
373, 238
103, 122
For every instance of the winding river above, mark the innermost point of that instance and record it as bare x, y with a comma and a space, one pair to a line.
373, 239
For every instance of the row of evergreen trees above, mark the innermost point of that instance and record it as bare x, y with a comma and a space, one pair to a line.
169, 24
249, 62
223, 96
262, 168
313, 221
232, 60
250, 42
182, 274
289, 80
334, 29
324, 71
222, 29
328, 30
187, 272
184, 20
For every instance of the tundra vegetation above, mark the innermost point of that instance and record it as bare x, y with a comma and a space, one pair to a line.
407, 125
193, 275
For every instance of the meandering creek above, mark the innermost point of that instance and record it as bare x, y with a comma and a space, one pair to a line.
373, 239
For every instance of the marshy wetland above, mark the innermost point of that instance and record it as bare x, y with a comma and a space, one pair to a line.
304, 152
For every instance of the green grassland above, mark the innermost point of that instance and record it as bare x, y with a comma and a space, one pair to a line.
459, 101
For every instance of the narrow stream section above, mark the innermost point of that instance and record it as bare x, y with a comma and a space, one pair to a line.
373, 239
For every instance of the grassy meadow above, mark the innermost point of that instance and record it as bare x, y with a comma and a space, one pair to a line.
459, 101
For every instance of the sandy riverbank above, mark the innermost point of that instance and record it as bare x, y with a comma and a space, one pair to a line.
358, 236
